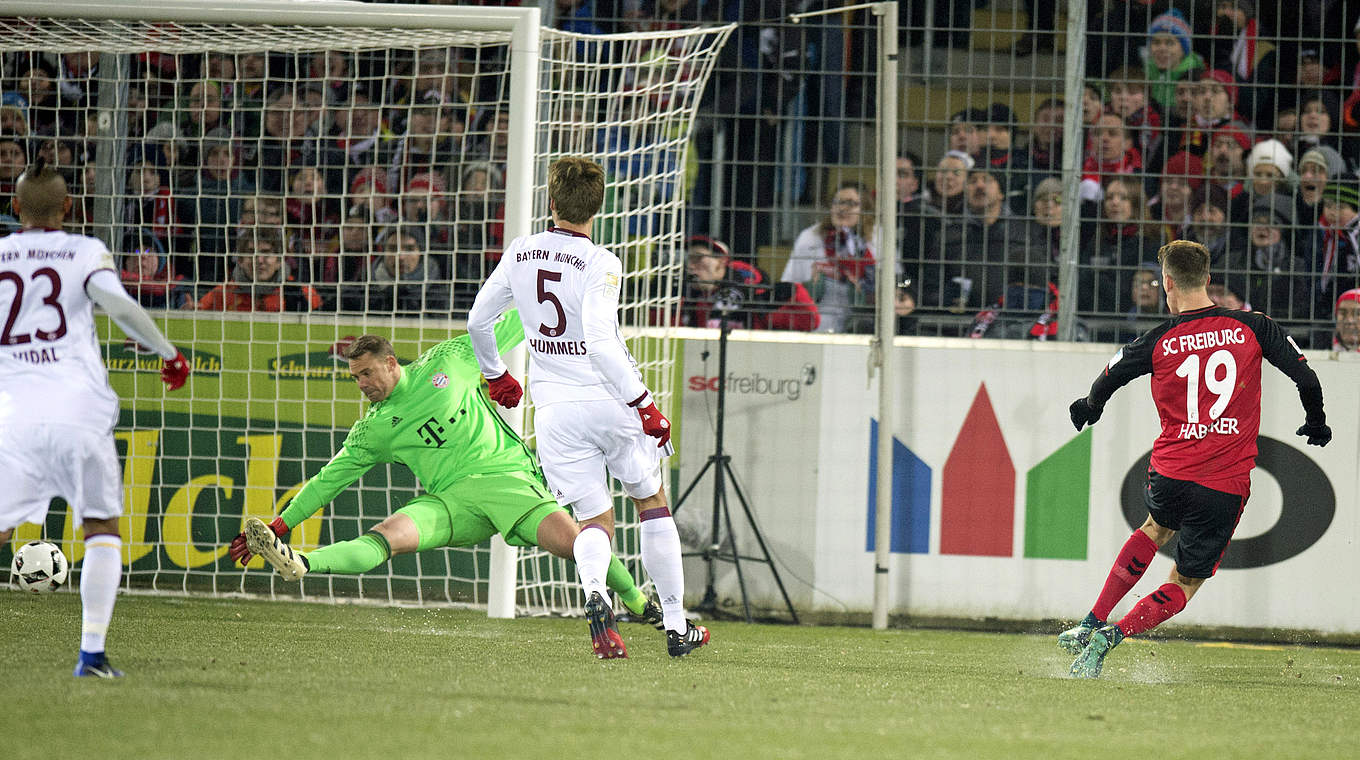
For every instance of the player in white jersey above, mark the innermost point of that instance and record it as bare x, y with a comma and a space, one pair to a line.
57, 410
592, 409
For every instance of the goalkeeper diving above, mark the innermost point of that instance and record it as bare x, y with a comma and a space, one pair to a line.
479, 477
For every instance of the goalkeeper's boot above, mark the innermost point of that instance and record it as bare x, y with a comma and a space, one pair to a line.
680, 644
262, 541
1075, 639
1092, 659
95, 665
604, 632
651, 615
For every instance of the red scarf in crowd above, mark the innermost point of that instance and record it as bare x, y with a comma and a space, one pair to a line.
848, 252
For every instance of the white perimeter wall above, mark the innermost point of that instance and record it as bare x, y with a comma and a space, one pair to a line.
797, 428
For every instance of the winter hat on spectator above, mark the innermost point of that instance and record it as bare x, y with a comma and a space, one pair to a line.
1050, 186
372, 178
428, 181
1271, 152
1236, 133
970, 116
1000, 114
1172, 23
964, 157
1224, 78
1345, 190
1278, 206
1326, 157
1350, 295
1186, 165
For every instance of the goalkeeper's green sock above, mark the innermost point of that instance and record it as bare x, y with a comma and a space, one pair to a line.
620, 581
358, 555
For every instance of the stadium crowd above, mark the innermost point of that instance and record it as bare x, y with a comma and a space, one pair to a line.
374, 183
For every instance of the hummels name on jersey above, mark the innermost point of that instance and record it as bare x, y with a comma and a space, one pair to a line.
558, 347
1199, 341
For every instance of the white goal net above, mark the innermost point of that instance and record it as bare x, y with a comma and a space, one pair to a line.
384, 154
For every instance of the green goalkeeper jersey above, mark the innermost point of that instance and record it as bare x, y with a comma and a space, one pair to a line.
437, 421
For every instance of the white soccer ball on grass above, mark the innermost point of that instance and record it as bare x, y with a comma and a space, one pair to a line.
40, 567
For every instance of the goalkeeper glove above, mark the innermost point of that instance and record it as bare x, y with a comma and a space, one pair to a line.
1083, 412
654, 423
505, 390
1318, 435
238, 550
174, 372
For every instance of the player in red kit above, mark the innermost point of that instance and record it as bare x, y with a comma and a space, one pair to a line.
1206, 382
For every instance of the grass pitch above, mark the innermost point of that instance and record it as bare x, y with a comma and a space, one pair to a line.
285, 681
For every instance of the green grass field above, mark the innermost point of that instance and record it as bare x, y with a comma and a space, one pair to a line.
251, 679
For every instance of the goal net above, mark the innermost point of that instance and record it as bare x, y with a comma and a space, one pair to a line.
277, 178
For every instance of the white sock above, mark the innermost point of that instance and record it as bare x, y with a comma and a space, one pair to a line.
100, 574
661, 558
592, 551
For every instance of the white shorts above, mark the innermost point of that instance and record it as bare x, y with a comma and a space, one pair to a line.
578, 440
40, 463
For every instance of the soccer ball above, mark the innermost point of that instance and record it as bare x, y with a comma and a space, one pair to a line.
40, 567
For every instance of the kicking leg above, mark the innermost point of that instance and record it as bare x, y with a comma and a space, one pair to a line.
1133, 560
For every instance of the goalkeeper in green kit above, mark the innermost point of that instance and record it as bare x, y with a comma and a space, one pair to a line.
478, 476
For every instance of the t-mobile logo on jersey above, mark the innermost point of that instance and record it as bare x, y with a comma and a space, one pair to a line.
430, 431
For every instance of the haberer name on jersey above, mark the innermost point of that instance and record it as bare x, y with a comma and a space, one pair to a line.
559, 256
1201, 340
1222, 426
559, 347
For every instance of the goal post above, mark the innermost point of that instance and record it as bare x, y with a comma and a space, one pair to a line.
190, 132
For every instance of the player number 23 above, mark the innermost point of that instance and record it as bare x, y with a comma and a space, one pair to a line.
7, 335
546, 296
1219, 386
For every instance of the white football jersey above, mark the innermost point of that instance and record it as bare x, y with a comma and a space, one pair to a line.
566, 289
50, 365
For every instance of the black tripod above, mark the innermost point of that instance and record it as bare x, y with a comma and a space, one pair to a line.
721, 464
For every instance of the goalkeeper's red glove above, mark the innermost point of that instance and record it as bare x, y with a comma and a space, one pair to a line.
174, 372
654, 423
505, 390
238, 550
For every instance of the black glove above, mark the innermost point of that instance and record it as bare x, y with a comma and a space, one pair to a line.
1318, 435
1083, 412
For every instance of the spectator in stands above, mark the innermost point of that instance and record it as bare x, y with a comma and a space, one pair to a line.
431, 142
404, 280
259, 280
987, 249
1147, 302
1237, 40
311, 218
1169, 57
1000, 152
424, 204
221, 187
718, 287
950, 181
354, 248
330, 70
164, 145
492, 143
37, 85
1182, 175
1040, 38
918, 221
1318, 123
1115, 154
1045, 229
1264, 269
369, 188
1270, 168
1222, 296
1346, 338
1092, 103
834, 260
967, 131
150, 204
1286, 122
262, 210
203, 113
362, 136
1226, 161
1316, 167
1113, 33
479, 228
1209, 221
1124, 239
146, 273
13, 120
1044, 149
1337, 247
1129, 100
904, 307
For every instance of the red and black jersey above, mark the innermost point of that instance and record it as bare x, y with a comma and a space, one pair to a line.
1206, 383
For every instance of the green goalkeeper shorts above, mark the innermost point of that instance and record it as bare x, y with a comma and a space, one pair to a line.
480, 506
